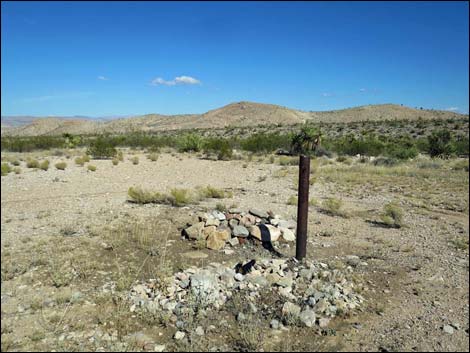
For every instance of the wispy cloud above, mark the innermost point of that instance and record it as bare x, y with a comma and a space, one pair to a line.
40, 99
180, 80
362, 89
327, 94
452, 109
103, 78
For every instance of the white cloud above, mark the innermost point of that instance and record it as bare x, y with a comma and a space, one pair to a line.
180, 80
326, 94
362, 90
452, 109
102, 78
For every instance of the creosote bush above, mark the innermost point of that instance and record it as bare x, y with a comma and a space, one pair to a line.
393, 215
61, 165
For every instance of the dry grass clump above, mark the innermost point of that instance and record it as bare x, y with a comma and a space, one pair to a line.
292, 200
44, 165
79, 161
91, 168
61, 165
86, 158
17, 170
153, 157
115, 161
334, 207
32, 163
392, 216
286, 160
177, 197
135, 160
120, 156
16, 162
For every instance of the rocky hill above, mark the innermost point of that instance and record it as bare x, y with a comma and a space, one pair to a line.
241, 114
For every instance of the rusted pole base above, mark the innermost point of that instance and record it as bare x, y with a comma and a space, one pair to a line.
302, 208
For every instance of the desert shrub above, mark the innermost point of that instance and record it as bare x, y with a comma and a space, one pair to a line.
153, 157
341, 159
180, 197
266, 143
5, 169
16, 162
79, 161
461, 165
32, 163
286, 160
402, 152
219, 146
135, 160
138, 195
292, 200
91, 168
385, 162
461, 146
115, 161
333, 206
190, 143
221, 207
86, 158
61, 165
392, 215
440, 144
212, 193
102, 148
17, 170
120, 156
44, 165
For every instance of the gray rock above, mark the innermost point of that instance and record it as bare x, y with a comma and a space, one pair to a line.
353, 260
287, 224
205, 287
241, 317
218, 215
235, 210
239, 277
199, 331
179, 335
233, 223
195, 231
240, 231
259, 213
307, 317
234, 241
274, 324
212, 222
159, 347
324, 322
448, 329
287, 234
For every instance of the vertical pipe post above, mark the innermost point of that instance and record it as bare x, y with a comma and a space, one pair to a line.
302, 207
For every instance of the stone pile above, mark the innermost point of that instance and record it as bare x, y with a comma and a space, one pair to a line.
217, 228
312, 293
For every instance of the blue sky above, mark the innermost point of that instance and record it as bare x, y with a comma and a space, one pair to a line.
121, 58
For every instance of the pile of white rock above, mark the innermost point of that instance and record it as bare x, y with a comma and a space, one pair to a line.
217, 228
312, 293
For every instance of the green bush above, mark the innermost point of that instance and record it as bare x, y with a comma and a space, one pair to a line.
102, 148
86, 158
135, 160
190, 143
91, 168
44, 165
5, 169
219, 146
393, 215
79, 161
32, 163
115, 161
153, 157
61, 165
16, 162
440, 144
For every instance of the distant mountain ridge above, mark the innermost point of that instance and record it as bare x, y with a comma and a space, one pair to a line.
240, 114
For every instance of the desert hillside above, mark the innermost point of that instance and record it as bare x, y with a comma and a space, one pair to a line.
241, 114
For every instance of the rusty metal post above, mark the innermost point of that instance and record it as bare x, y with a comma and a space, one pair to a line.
302, 207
